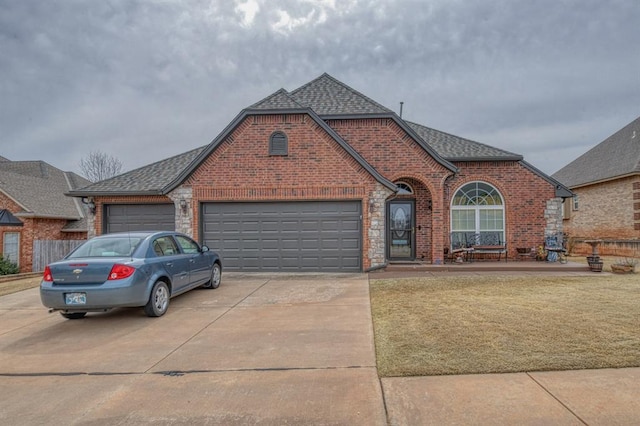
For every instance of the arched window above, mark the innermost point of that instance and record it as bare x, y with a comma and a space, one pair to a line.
478, 208
404, 188
278, 144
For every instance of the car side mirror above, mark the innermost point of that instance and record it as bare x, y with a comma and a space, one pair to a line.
204, 249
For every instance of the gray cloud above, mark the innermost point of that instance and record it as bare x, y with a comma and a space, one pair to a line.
143, 80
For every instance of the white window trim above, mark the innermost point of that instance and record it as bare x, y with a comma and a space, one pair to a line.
477, 209
4, 247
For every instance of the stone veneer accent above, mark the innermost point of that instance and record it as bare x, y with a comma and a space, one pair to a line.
377, 219
91, 222
184, 220
553, 214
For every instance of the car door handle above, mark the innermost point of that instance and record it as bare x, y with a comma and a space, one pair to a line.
169, 264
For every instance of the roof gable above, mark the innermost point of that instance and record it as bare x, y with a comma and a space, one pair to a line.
328, 96
616, 156
279, 100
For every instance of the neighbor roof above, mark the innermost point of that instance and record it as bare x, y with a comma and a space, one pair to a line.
616, 156
39, 189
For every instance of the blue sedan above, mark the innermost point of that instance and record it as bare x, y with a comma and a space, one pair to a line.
128, 270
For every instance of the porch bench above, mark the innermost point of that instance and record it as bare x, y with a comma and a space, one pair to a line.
491, 249
489, 243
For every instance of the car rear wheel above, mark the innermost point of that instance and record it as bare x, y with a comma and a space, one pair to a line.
158, 301
73, 315
216, 277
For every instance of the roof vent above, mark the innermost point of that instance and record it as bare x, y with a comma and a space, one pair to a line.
633, 136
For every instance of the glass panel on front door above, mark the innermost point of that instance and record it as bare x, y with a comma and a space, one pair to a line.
400, 226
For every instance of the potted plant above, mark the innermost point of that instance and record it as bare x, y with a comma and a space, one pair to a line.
596, 266
624, 266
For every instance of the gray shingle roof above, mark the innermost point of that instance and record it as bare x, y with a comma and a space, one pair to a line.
149, 179
39, 189
616, 156
455, 148
80, 225
328, 96
279, 100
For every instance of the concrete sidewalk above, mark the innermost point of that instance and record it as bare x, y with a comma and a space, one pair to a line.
580, 397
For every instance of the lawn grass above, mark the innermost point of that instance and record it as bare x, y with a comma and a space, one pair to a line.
499, 324
14, 286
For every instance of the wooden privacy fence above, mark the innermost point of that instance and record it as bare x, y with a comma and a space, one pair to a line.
47, 251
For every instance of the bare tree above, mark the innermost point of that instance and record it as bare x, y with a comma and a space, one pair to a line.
99, 166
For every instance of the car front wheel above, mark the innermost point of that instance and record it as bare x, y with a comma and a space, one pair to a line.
216, 277
158, 301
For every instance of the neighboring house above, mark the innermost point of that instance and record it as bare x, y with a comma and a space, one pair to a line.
34, 207
323, 178
606, 183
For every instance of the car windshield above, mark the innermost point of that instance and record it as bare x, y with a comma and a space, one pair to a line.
107, 247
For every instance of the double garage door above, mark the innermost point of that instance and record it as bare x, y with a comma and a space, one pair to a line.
139, 217
285, 236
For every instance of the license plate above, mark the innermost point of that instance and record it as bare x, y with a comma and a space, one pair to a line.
75, 298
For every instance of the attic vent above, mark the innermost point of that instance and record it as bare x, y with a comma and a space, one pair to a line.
278, 144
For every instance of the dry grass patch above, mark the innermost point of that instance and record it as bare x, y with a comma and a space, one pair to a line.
14, 286
480, 324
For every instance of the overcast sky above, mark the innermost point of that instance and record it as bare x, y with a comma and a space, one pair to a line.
145, 80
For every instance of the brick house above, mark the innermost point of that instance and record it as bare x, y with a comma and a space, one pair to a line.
323, 178
34, 207
606, 183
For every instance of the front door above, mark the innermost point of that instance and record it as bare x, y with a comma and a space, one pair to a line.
400, 230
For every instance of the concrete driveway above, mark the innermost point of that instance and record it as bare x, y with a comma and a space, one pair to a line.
261, 349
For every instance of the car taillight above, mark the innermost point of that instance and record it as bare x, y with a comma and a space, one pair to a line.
119, 272
47, 275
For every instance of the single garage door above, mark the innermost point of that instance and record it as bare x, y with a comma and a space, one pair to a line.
285, 236
139, 217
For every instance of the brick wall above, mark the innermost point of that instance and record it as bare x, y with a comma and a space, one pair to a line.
390, 150
316, 168
33, 229
38, 229
609, 210
398, 157
525, 197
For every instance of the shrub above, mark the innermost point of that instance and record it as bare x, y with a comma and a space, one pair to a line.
7, 267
